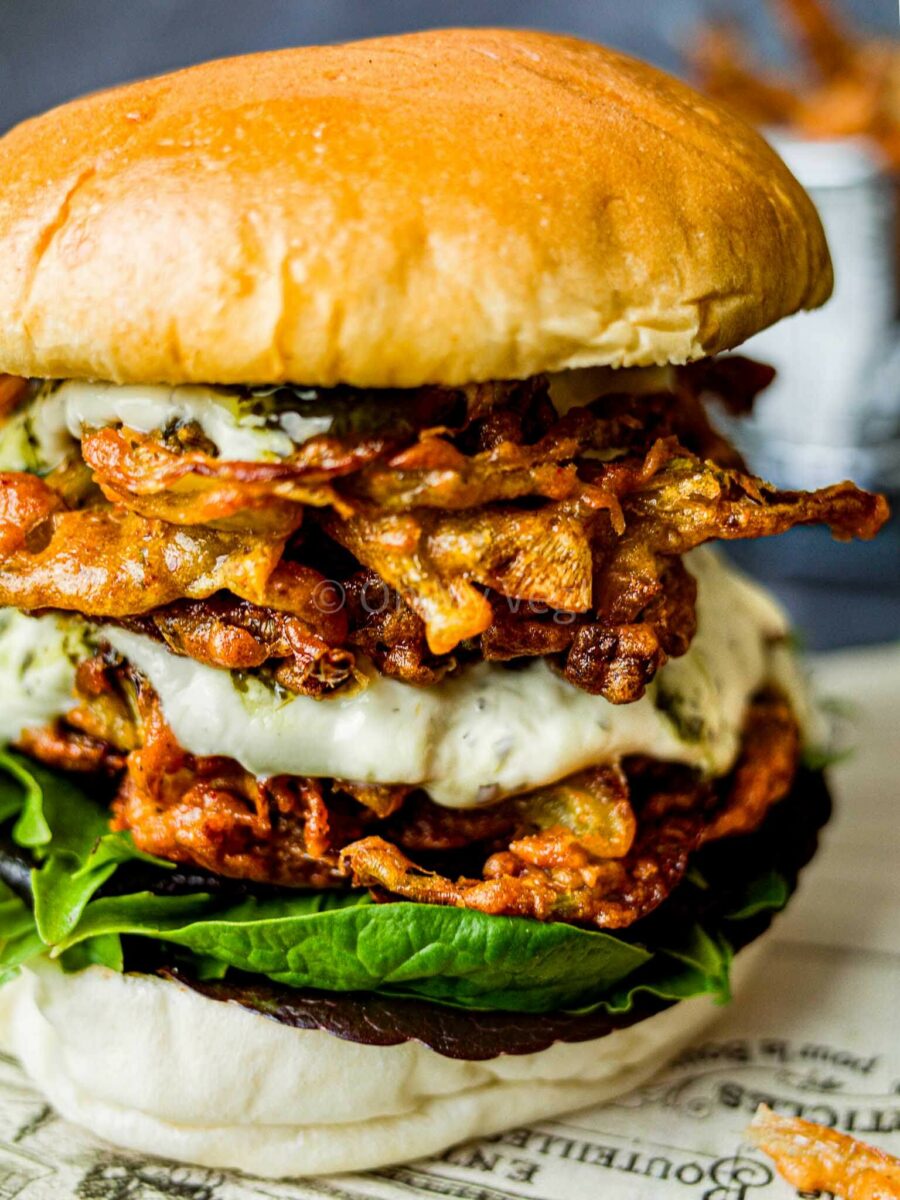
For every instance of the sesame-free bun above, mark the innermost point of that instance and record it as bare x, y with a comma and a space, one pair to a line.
152, 1066
445, 206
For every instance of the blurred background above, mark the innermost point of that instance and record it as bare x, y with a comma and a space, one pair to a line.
820, 77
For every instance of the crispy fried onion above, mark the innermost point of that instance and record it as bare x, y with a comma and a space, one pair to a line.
591, 859
181, 479
500, 530
817, 1160
607, 552
305, 653
603, 847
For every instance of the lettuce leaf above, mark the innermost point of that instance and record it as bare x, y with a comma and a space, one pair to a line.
19, 939
69, 835
104, 951
22, 795
335, 941
20, 942
768, 892
350, 944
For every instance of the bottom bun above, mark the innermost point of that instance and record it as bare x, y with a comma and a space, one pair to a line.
153, 1066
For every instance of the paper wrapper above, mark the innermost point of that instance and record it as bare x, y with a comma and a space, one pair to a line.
815, 1034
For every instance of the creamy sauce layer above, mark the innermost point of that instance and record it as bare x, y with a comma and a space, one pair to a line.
46, 433
38, 656
489, 731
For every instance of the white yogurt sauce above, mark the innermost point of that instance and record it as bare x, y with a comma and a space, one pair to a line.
45, 433
37, 669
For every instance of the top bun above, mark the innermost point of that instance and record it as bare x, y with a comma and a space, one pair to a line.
442, 207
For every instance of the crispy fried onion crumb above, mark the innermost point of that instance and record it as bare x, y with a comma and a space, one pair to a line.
603, 847
813, 1158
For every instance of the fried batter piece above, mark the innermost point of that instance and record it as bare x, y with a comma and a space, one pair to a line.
554, 874
175, 479
389, 633
764, 770
813, 1158
107, 562
305, 652
13, 391
434, 474
616, 663
611, 869
496, 528
25, 504
105, 707
608, 553
434, 562
67, 748
685, 503
136, 471
438, 448
213, 813
681, 505
209, 812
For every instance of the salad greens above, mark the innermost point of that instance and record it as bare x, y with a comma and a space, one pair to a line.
338, 941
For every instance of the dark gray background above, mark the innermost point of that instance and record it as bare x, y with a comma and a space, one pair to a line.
51, 50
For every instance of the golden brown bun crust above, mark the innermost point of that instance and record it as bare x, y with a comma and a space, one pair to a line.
440, 207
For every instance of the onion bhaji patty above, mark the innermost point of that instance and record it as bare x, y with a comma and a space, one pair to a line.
603, 847
490, 525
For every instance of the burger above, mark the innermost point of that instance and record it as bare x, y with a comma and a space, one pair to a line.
388, 757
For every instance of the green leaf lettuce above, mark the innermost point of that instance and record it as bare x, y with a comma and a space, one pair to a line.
338, 941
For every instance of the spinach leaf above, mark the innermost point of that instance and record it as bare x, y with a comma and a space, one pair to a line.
19, 940
447, 954
768, 892
68, 834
